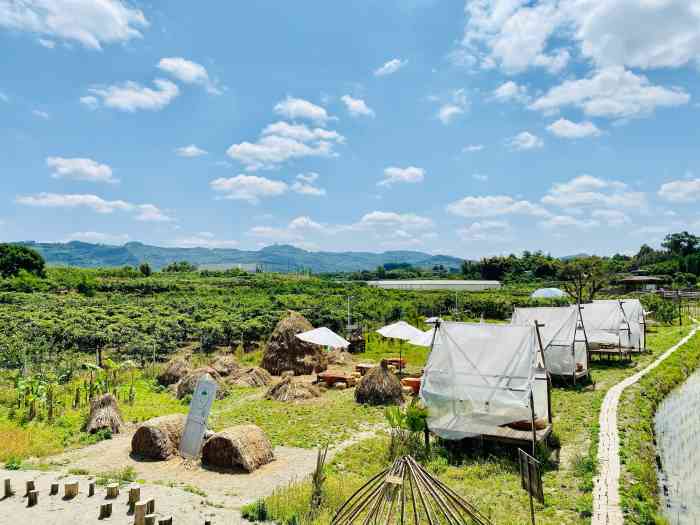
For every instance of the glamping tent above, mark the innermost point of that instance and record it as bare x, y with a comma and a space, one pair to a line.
563, 338
484, 379
633, 328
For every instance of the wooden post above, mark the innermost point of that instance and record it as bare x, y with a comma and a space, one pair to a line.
91, 489
8, 492
30, 486
166, 521
150, 506
426, 435
134, 496
112, 491
105, 511
54, 489
529, 484
32, 498
532, 419
70, 490
140, 513
150, 519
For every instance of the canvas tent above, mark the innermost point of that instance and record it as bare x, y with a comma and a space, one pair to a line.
480, 377
633, 327
563, 338
603, 321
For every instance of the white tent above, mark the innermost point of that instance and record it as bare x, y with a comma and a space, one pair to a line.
425, 339
632, 329
324, 337
603, 321
481, 376
400, 330
563, 338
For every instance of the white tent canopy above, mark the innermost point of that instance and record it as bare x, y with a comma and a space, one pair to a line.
480, 376
400, 330
324, 337
632, 327
424, 339
603, 321
562, 337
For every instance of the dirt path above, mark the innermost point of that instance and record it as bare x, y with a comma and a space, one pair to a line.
184, 490
606, 490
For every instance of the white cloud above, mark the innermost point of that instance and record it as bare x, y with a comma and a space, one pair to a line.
587, 191
306, 223
472, 148
99, 237
410, 175
188, 72
304, 185
248, 188
90, 101
281, 142
612, 217
80, 169
455, 104
566, 221
48, 44
390, 67
298, 108
61, 200
494, 206
612, 92
525, 141
566, 129
41, 114
190, 151
511, 91
4, 97
90, 22
687, 190
492, 231
131, 96
151, 213
480, 177
387, 219
357, 107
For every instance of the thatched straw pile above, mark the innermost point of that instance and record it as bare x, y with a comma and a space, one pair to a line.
244, 446
339, 357
174, 371
104, 414
251, 376
286, 352
187, 384
379, 386
226, 365
158, 438
290, 389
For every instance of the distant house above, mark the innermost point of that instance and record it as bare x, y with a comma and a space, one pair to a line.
641, 283
436, 284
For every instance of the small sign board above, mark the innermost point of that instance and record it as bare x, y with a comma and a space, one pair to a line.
196, 424
530, 475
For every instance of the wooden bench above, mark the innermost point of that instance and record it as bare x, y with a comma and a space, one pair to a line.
331, 378
363, 368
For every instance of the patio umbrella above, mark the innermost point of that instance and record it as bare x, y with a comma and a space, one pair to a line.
402, 331
324, 337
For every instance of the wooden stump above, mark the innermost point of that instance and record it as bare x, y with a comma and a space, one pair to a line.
150, 519
134, 497
8, 488
32, 498
70, 490
140, 513
30, 486
91, 489
166, 521
105, 511
112, 491
150, 506
54, 489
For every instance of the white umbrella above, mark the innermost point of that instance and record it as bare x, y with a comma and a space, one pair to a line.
324, 337
400, 330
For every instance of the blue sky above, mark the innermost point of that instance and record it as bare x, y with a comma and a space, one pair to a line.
468, 129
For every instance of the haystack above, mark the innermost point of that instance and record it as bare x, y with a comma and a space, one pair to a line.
188, 383
158, 438
251, 376
379, 386
225, 365
339, 357
290, 389
104, 414
286, 352
244, 446
174, 371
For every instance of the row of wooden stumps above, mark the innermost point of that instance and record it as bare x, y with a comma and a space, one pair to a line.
143, 511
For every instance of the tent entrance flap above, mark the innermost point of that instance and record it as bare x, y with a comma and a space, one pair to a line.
480, 376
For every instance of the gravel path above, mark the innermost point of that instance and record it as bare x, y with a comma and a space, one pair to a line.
606, 490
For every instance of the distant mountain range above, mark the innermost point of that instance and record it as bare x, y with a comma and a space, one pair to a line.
278, 258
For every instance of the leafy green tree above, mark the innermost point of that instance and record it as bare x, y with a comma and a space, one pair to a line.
180, 267
145, 269
584, 277
14, 258
681, 244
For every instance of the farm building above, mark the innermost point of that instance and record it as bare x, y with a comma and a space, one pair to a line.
436, 284
641, 283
